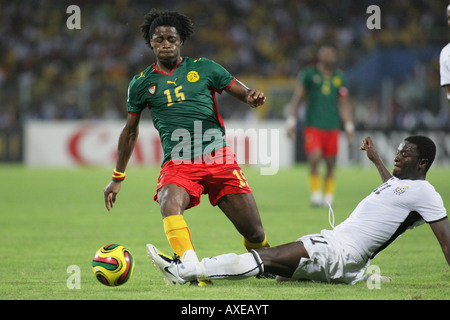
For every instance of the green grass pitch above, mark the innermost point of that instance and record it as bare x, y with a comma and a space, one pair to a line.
51, 219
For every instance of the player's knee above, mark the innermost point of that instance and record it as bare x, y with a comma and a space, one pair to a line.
255, 235
172, 200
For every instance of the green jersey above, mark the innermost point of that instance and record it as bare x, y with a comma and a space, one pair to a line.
183, 105
323, 97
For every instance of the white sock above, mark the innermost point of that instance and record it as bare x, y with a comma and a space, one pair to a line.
189, 256
227, 266
188, 269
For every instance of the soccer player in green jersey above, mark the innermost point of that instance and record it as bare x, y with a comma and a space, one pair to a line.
323, 90
180, 93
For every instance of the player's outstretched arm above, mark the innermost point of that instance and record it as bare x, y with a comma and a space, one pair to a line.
298, 97
441, 230
253, 97
127, 141
447, 90
372, 154
345, 111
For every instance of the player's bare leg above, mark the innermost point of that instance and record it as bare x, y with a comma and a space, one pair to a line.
242, 211
283, 260
173, 200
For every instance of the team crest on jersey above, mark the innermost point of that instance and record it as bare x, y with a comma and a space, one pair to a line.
152, 88
193, 76
337, 81
400, 190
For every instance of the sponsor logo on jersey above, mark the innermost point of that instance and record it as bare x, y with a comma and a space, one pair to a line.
174, 82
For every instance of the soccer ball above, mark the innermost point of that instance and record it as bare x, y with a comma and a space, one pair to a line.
113, 265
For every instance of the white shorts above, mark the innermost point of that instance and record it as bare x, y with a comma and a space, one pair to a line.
329, 261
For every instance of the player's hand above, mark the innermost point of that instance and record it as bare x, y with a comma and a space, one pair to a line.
372, 154
367, 145
255, 98
349, 131
291, 123
110, 193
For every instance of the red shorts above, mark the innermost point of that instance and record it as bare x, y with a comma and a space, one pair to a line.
216, 175
323, 140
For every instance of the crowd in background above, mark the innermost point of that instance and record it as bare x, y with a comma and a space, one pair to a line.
48, 71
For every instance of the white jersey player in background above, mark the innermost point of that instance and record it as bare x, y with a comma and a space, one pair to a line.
404, 200
444, 62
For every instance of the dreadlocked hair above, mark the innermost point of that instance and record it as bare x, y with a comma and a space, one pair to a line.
156, 18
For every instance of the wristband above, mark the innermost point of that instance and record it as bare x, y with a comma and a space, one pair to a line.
118, 176
349, 127
291, 122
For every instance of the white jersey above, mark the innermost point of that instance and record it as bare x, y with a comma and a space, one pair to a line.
444, 62
393, 207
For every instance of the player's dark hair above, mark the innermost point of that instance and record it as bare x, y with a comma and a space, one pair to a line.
425, 147
156, 18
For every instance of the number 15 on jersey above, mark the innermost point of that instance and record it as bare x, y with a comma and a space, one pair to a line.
178, 95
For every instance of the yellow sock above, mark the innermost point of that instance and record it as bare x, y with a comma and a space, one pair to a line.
315, 183
330, 186
178, 234
251, 245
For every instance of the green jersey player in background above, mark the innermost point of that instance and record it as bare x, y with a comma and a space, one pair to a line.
323, 90
180, 93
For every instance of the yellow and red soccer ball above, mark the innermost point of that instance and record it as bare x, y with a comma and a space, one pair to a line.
113, 265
